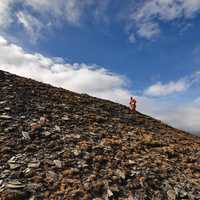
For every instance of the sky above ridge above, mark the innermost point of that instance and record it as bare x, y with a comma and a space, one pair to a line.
111, 49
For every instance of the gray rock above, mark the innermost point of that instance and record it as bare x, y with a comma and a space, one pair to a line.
65, 118
15, 185
26, 135
34, 164
58, 163
6, 117
171, 194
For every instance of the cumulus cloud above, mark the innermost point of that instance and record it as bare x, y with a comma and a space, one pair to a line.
160, 89
82, 78
147, 16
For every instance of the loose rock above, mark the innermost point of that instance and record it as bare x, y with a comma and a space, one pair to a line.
56, 144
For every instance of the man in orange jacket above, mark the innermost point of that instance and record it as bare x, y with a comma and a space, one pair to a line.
133, 104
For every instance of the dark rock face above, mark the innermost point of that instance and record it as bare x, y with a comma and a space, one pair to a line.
56, 144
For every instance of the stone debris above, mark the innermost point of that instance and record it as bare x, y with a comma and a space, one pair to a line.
57, 128
34, 164
14, 166
7, 108
59, 145
15, 185
2, 102
47, 133
26, 135
65, 118
109, 192
14, 162
58, 163
171, 194
6, 117
2, 187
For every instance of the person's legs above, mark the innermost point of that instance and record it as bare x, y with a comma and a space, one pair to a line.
133, 108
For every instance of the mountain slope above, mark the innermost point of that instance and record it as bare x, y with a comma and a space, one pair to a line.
56, 144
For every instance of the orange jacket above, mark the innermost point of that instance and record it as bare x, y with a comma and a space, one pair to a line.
133, 102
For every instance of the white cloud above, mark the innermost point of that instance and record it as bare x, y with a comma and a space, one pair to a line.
65, 10
75, 9
46, 13
148, 14
181, 85
71, 11
160, 89
148, 30
42, 4
81, 78
145, 18
5, 13
191, 7
31, 24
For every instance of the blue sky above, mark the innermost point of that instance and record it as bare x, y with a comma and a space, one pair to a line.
110, 49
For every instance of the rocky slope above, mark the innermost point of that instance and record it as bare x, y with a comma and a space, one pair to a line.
56, 144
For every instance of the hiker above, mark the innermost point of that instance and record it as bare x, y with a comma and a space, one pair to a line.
133, 104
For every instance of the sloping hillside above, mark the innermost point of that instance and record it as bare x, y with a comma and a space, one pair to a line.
56, 144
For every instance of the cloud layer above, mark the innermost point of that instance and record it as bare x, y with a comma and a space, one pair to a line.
99, 82
184, 116
173, 87
160, 89
143, 19
5, 13
147, 16
36, 16
84, 78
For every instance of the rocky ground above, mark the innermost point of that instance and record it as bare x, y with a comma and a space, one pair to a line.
56, 144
